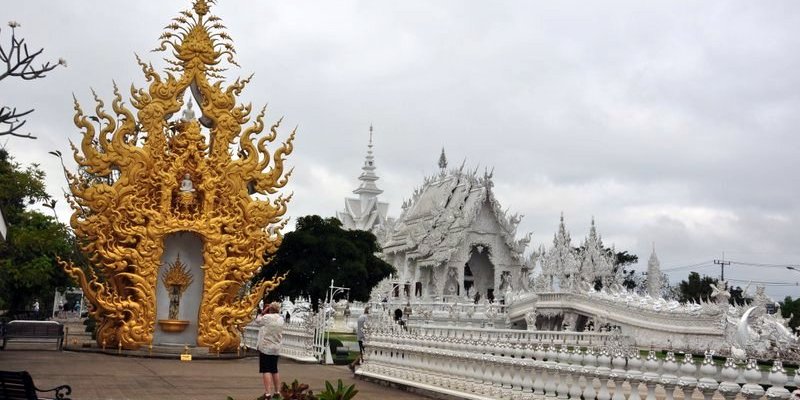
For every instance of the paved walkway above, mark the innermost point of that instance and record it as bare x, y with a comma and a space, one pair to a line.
100, 376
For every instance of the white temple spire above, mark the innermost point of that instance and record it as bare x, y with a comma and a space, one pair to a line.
367, 189
654, 275
366, 212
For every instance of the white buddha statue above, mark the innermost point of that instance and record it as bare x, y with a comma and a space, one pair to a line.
186, 184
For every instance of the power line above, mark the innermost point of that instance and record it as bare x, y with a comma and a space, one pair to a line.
764, 265
768, 283
680, 267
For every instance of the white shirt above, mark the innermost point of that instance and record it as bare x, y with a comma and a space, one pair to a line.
270, 333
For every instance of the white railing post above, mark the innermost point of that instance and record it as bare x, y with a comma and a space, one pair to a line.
538, 368
752, 390
590, 372
603, 372
687, 380
634, 374
650, 376
563, 373
550, 372
728, 388
708, 377
618, 374
518, 372
669, 379
777, 377
576, 372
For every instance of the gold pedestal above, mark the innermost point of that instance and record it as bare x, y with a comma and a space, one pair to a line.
173, 325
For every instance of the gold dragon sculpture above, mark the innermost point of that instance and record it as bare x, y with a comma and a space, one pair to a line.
130, 190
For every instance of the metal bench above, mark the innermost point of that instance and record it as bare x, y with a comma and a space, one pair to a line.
33, 331
18, 385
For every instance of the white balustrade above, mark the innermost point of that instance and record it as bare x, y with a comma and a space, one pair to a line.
297, 342
494, 364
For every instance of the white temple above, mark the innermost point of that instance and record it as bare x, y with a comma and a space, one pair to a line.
453, 239
570, 331
365, 213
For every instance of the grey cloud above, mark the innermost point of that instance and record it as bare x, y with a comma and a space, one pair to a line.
604, 109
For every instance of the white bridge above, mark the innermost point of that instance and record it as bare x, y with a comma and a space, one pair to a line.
696, 328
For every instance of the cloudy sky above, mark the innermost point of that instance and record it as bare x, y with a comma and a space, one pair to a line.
671, 122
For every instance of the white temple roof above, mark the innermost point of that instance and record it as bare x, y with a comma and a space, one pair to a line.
434, 221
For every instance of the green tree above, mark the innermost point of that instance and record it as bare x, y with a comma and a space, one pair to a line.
318, 251
28, 268
695, 288
631, 279
738, 296
791, 309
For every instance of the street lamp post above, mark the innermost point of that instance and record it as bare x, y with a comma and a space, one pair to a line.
332, 292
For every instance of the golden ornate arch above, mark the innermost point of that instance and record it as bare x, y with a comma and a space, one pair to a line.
146, 175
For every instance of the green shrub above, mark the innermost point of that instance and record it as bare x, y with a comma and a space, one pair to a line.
339, 393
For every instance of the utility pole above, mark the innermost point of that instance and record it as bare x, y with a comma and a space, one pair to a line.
722, 263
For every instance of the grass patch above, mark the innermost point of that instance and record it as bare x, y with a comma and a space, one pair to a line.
344, 337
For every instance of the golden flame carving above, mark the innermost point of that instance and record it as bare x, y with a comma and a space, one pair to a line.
127, 194
177, 274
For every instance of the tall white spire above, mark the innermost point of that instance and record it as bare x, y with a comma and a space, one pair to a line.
367, 188
366, 212
654, 275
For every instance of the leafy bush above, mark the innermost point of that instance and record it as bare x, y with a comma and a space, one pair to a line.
340, 393
297, 391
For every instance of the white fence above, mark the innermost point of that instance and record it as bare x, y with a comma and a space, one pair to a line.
297, 344
484, 363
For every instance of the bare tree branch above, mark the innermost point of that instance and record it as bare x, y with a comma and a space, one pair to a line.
19, 62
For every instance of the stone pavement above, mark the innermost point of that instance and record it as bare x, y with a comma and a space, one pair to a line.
101, 376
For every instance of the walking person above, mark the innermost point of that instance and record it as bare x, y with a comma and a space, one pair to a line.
270, 334
360, 336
